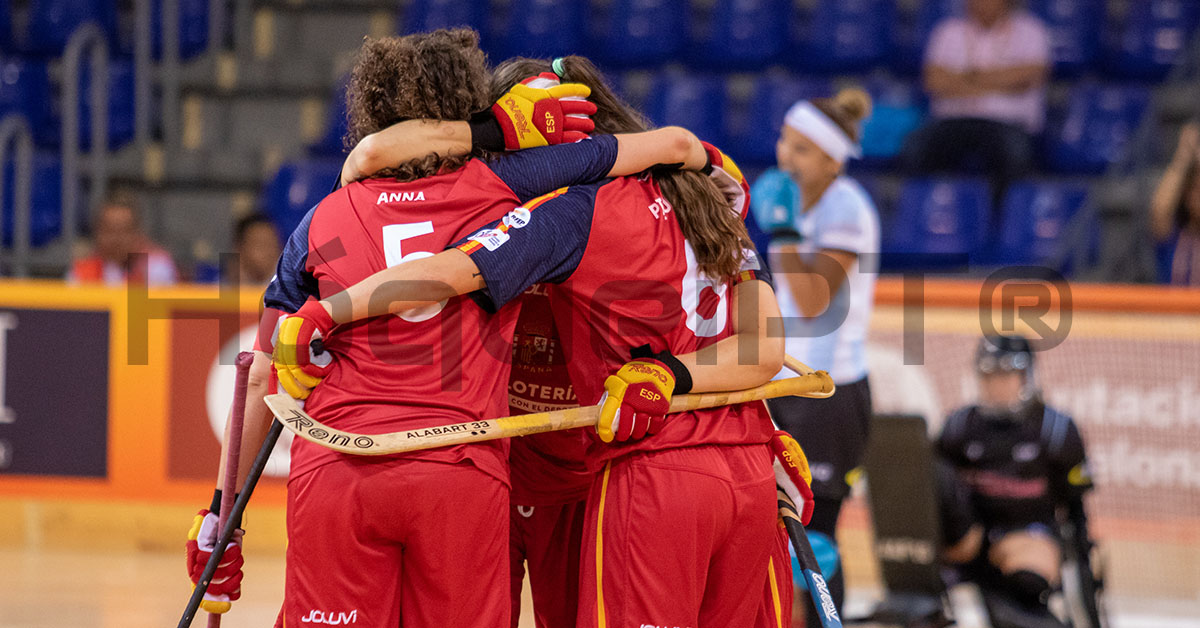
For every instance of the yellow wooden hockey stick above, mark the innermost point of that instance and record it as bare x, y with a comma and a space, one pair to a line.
288, 412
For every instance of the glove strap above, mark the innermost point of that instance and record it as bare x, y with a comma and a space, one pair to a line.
486, 133
683, 377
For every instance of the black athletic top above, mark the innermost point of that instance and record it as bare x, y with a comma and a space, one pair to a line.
1019, 472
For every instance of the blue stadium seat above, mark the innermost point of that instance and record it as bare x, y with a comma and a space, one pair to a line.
752, 125
1075, 27
25, 89
738, 34
335, 124
296, 188
121, 116
120, 105
6, 32
51, 23
628, 33
193, 28
693, 101
898, 109
844, 35
46, 199
911, 32
1095, 128
1035, 220
427, 15
1150, 37
536, 28
939, 217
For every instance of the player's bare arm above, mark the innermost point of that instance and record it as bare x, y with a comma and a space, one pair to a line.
404, 141
815, 282
406, 286
753, 354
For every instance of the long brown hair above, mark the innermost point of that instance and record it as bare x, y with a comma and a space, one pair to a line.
716, 233
440, 75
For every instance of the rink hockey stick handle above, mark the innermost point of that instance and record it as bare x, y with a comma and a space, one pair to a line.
235, 514
237, 418
817, 587
286, 410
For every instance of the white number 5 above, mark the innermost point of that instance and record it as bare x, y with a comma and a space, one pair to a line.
393, 237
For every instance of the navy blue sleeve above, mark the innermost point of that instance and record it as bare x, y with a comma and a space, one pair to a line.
541, 241
536, 171
292, 284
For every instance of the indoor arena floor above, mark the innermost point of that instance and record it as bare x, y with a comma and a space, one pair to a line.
104, 589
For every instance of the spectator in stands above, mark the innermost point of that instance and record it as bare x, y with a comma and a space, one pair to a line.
1175, 207
118, 237
986, 75
258, 249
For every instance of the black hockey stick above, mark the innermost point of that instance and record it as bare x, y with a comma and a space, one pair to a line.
817, 588
235, 514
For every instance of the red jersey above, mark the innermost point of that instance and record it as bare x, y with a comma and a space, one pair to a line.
447, 363
547, 469
625, 276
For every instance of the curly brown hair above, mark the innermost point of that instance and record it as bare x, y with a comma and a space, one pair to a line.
441, 75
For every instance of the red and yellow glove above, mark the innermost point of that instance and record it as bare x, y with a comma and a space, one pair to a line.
729, 179
792, 473
540, 111
300, 361
636, 400
226, 584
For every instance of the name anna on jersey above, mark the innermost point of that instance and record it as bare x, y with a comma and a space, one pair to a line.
400, 197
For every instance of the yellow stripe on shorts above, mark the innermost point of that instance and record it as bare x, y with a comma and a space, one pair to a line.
775, 593
601, 619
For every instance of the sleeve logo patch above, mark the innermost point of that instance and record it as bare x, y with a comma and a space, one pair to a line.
517, 218
491, 239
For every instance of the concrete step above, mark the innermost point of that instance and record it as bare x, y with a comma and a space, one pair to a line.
195, 221
332, 32
262, 122
226, 73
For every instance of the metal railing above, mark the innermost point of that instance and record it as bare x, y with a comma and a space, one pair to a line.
14, 131
88, 40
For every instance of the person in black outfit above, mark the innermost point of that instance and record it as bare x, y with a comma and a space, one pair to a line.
1012, 474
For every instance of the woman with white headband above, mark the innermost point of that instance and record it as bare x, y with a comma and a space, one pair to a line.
824, 250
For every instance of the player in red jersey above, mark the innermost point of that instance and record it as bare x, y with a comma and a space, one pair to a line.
625, 276
344, 514
550, 479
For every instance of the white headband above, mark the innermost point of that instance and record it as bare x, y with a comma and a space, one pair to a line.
817, 126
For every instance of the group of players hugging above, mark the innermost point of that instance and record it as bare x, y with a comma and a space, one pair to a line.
454, 276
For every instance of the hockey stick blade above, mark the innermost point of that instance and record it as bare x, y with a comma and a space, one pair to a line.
817, 588
287, 411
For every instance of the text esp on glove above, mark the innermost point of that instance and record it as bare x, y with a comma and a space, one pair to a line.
541, 111
300, 359
636, 400
226, 584
792, 473
729, 179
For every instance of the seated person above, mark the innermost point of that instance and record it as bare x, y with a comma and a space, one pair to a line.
113, 260
986, 75
1012, 471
